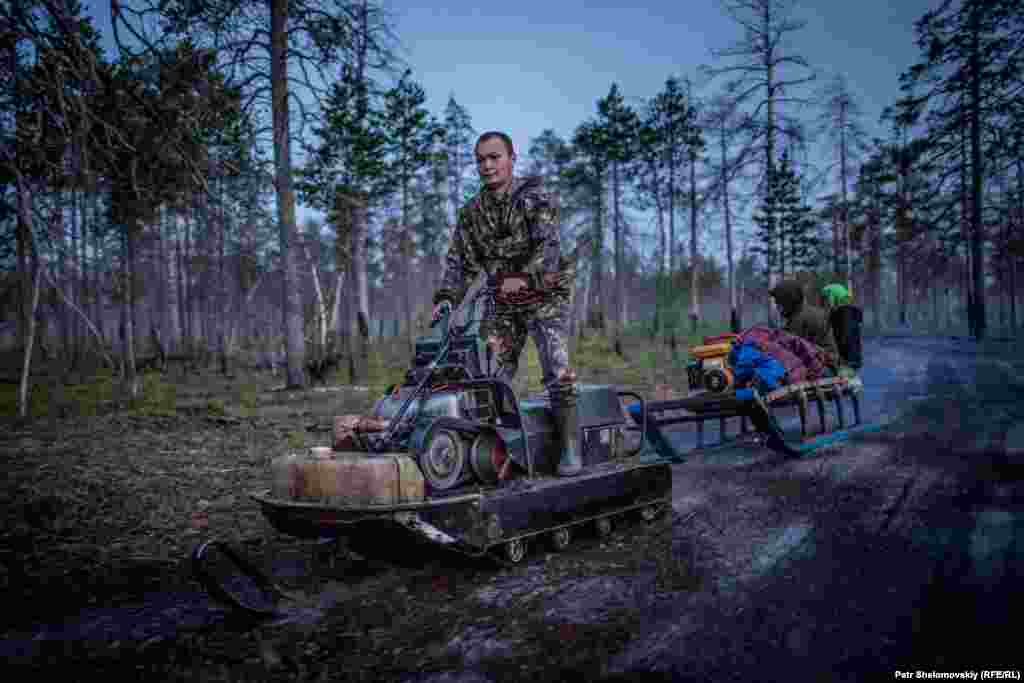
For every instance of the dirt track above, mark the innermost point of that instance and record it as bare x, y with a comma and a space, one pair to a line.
897, 550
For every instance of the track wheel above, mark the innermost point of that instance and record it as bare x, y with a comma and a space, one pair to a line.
515, 550
560, 538
603, 526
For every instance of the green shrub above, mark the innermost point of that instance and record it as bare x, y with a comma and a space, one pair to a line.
216, 407
88, 396
296, 440
159, 397
248, 399
38, 400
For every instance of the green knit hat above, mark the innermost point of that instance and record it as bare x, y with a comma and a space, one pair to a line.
837, 295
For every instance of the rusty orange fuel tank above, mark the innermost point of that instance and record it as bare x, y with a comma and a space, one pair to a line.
347, 478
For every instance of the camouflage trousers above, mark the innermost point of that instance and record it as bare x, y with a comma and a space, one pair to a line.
505, 333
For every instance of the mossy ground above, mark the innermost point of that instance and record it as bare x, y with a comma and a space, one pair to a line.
105, 496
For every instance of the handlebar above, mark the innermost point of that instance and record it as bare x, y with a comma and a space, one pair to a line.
449, 332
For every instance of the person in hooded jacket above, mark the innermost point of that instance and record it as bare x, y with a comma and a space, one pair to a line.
803, 318
845, 319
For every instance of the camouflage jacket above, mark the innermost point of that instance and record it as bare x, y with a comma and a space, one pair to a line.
516, 232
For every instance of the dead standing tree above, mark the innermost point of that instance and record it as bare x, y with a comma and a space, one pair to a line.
757, 79
840, 120
725, 122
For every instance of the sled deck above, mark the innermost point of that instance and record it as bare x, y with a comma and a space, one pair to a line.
827, 397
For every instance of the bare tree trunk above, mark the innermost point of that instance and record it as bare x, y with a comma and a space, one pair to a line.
595, 299
977, 189
1012, 258
662, 242
224, 298
361, 290
965, 227
158, 318
28, 309
1012, 267
660, 214
83, 255
291, 301
845, 210
24, 246
694, 257
875, 259
200, 292
734, 318
185, 285
97, 273
170, 276
673, 263
130, 308
334, 319
30, 338
407, 256
321, 305
620, 282
75, 279
235, 321
769, 64
582, 306
57, 234
837, 247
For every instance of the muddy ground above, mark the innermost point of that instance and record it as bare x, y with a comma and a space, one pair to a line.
900, 549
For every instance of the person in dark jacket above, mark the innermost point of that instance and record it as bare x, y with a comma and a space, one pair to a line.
845, 319
804, 319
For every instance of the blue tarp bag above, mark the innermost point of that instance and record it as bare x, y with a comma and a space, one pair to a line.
758, 374
753, 367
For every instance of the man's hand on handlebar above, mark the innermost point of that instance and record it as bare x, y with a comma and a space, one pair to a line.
511, 285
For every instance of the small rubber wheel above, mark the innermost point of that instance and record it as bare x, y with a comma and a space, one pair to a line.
603, 526
560, 538
649, 512
515, 550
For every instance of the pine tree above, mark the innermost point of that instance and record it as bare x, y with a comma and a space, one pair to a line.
971, 72
458, 137
411, 135
619, 126
672, 120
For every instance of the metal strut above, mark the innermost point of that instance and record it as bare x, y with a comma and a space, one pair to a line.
215, 587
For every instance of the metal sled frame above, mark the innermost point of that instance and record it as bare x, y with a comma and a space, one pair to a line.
701, 407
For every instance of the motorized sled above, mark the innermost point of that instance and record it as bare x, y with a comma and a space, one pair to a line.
453, 457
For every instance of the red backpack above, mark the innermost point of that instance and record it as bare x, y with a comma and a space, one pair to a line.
803, 361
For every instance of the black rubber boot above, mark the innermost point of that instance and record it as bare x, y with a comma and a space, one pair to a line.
567, 422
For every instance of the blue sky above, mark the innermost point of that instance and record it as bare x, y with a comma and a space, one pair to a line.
545, 64
528, 65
